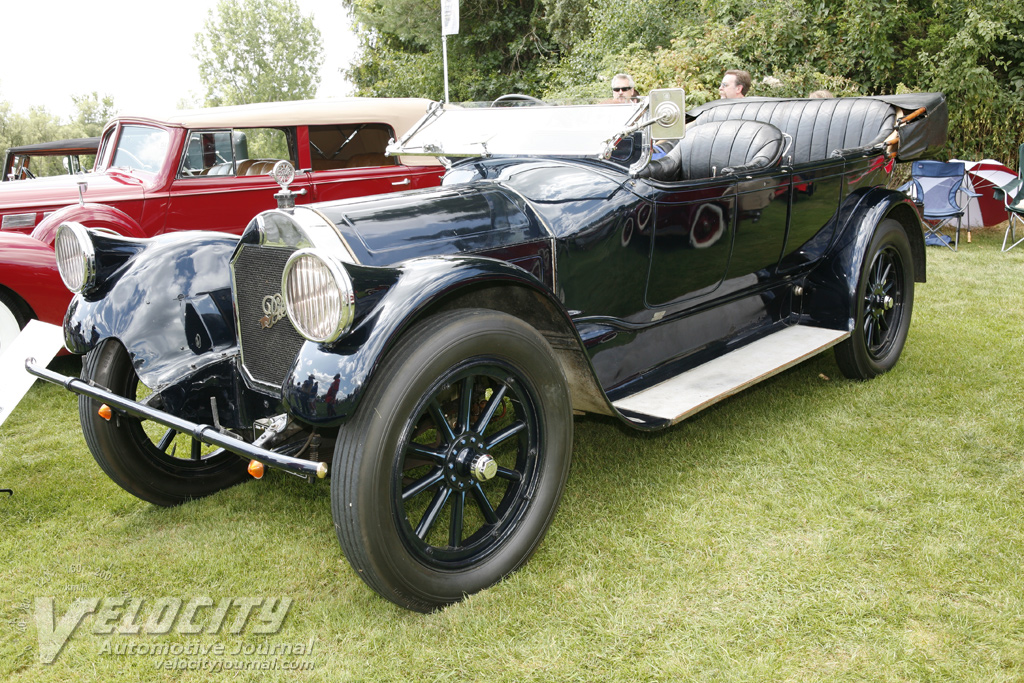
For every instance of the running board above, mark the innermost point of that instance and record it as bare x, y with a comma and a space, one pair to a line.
686, 394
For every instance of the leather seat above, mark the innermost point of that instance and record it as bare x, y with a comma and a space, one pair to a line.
719, 148
817, 127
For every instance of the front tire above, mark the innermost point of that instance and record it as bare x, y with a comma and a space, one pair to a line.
883, 305
144, 458
450, 471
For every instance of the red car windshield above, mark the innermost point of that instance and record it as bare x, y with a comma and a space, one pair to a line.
142, 148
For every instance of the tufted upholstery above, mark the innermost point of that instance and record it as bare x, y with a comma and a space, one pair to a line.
719, 147
818, 127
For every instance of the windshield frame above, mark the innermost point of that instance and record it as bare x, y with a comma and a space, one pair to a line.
535, 130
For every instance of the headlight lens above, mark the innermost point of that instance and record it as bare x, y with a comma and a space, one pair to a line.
76, 257
318, 296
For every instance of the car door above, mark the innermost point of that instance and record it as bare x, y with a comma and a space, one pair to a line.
348, 160
222, 179
692, 240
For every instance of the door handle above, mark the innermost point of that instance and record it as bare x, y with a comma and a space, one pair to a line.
401, 182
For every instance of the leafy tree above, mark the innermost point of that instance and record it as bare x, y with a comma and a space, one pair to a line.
972, 50
92, 114
502, 47
258, 51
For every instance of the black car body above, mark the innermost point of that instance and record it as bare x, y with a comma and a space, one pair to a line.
437, 342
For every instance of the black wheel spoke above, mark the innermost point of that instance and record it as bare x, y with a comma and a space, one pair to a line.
441, 423
485, 505
504, 434
455, 525
430, 516
422, 485
168, 437
465, 404
492, 406
508, 474
428, 453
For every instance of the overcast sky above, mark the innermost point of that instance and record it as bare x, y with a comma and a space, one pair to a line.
139, 53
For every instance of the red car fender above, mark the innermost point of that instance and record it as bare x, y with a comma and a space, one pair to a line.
28, 269
91, 216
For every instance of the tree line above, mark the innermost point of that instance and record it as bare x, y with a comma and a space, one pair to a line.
972, 50
266, 50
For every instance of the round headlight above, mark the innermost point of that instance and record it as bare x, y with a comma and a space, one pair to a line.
76, 257
318, 296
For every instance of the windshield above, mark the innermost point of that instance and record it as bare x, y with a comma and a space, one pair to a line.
143, 148
458, 131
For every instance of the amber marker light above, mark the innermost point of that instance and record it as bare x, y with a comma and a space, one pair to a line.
105, 412
256, 469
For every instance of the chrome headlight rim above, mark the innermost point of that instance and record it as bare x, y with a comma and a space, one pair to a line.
76, 257
339, 318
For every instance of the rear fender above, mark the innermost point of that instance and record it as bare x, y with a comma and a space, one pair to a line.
326, 382
831, 287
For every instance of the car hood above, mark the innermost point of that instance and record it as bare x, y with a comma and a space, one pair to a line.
47, 194
387, 229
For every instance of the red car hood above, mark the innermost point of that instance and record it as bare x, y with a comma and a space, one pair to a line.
48, 194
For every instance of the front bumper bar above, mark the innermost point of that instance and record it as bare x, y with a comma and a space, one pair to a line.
205, 433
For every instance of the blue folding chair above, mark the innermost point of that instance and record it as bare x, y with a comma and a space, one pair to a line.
1012, 194
934, 186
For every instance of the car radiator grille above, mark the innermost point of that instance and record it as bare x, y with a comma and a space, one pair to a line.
267, 351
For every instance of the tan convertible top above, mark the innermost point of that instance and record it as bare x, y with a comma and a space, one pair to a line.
399, 113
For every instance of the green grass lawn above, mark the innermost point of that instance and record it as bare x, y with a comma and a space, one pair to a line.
809, 529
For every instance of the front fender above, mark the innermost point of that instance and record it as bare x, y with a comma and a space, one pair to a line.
91, 216
832, 285
169, 304
326, 382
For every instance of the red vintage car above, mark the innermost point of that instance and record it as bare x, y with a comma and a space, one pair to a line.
200, 169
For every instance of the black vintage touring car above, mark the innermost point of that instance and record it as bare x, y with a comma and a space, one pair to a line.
427, 349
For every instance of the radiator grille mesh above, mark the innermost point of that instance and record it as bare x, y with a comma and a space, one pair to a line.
267, 351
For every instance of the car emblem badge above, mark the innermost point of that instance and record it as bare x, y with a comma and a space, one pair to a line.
273, 310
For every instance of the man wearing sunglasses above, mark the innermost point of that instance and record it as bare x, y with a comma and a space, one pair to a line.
623, 89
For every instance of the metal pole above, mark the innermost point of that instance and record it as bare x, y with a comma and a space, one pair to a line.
444, 51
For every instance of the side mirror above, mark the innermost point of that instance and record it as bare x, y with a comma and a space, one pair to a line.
668, 110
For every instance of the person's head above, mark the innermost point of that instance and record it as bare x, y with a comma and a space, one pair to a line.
735, 84
623, 88
821, 95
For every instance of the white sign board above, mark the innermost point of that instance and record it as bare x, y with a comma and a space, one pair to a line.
449, 17
38, 340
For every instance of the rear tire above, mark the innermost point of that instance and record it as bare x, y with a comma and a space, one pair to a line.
143, 457
883, 305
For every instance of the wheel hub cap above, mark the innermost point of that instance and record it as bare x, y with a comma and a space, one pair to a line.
467, 464
483, 468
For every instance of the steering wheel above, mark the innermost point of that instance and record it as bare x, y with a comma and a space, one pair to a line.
25, 173
134, 159
515, 97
